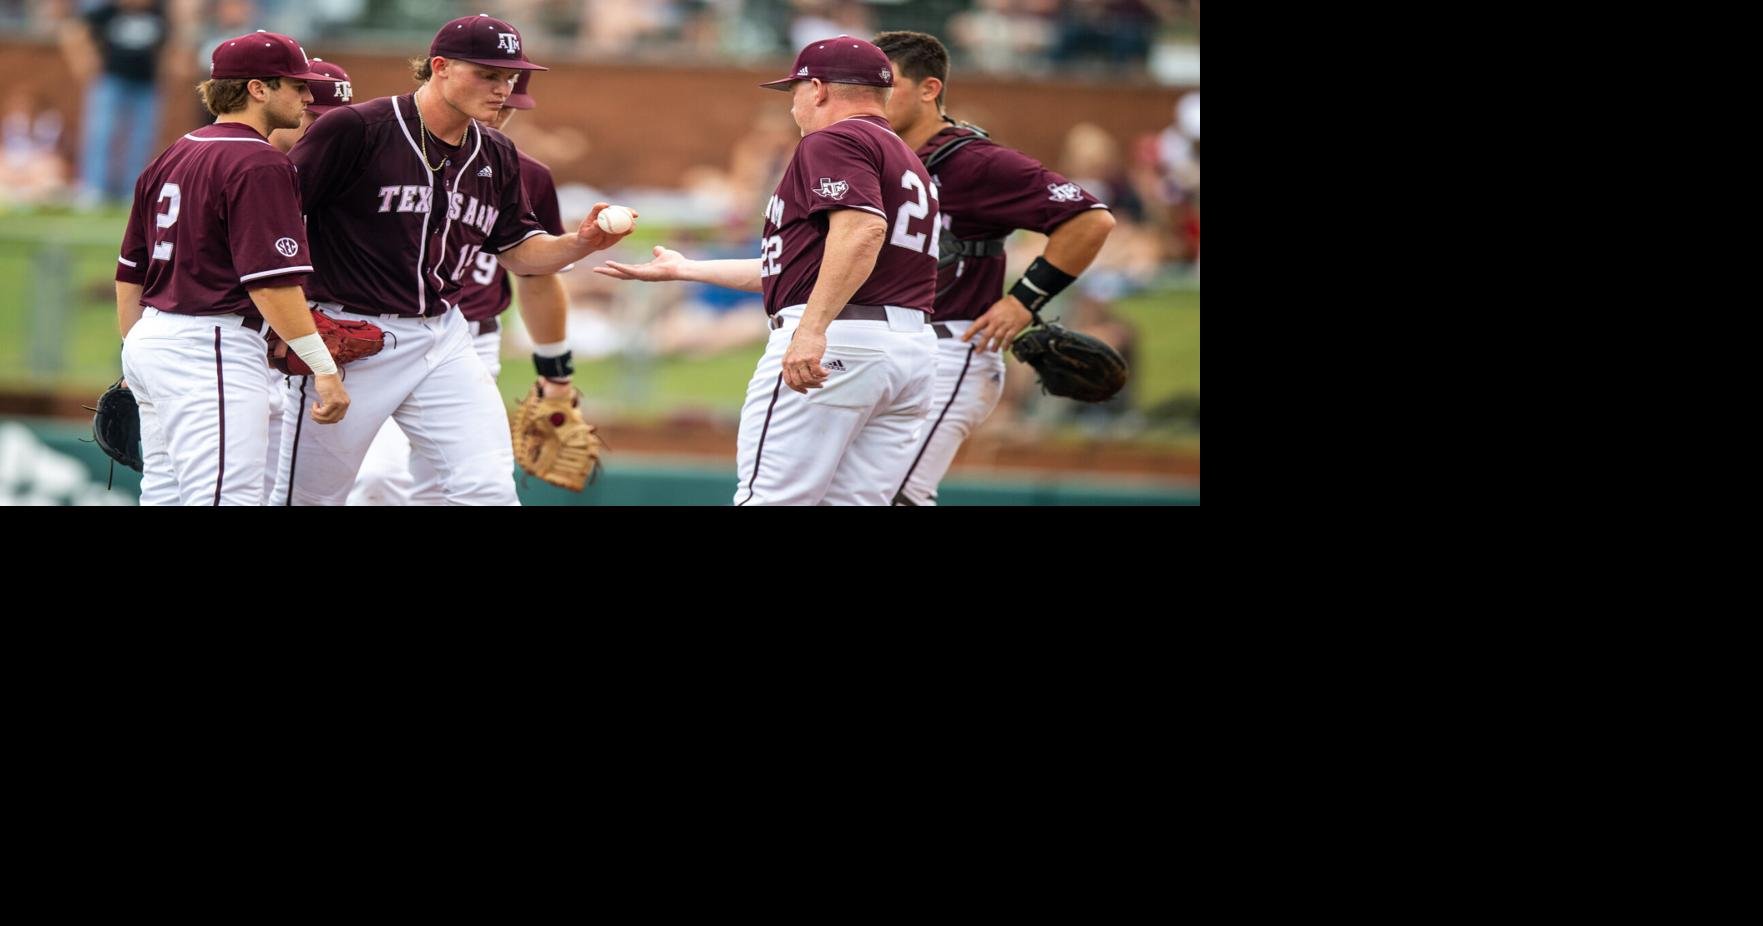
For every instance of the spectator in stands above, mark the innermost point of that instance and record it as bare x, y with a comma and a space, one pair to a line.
114, 50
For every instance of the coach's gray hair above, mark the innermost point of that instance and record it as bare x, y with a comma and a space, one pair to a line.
859, 92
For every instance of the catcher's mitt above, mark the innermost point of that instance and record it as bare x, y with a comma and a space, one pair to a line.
1071, 364
346, 340
116, 426
553, 442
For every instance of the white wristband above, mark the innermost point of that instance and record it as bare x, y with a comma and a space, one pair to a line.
312, 350
551, 350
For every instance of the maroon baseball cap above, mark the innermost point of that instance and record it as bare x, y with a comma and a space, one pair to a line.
482, 39
261, 54
334, 92
842, 60
520, 99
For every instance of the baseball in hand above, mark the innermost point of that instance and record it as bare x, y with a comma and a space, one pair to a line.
615, 220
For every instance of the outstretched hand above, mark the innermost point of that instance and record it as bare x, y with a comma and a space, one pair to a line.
665, 266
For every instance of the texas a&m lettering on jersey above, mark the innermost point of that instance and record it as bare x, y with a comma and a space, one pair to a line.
356, 204
410, 198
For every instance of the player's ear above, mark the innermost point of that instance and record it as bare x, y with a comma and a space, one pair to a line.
929, 89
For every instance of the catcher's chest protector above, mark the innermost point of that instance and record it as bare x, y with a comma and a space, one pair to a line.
934, 152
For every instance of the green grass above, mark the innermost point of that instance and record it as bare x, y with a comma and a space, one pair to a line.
653, 389
87, 351
1169, 343
1167, 367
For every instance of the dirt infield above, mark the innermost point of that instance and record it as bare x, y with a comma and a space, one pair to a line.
716, 440
707, 439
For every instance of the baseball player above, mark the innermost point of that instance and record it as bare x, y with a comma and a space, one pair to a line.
334, 91
848, 268
392, 474
214, 247
987, 190
326, 96
401, 195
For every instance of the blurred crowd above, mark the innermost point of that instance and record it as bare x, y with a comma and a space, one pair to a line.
1113, 37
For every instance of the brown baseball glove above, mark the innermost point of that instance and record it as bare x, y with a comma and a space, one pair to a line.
347, 340
553, 442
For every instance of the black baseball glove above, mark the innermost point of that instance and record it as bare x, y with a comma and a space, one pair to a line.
116, 426
1071, 364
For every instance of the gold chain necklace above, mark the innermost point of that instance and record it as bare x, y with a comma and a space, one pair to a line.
425, 139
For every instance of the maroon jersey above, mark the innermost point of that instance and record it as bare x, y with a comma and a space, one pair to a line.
216, 215
857, 163
390, 235
488, 290
988, 191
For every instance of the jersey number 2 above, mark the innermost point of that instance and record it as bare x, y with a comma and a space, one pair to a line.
162, 250
770, 251
915, 241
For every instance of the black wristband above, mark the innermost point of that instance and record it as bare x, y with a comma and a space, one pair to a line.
554, 368
1039, 284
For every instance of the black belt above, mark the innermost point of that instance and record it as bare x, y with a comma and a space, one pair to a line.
942, 330
488, 325
850, 313
366, 314
973, 247
255, 323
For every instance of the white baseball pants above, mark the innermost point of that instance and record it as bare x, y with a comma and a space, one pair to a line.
969, 384
850, 441
202, 383
393, 474
430, 381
